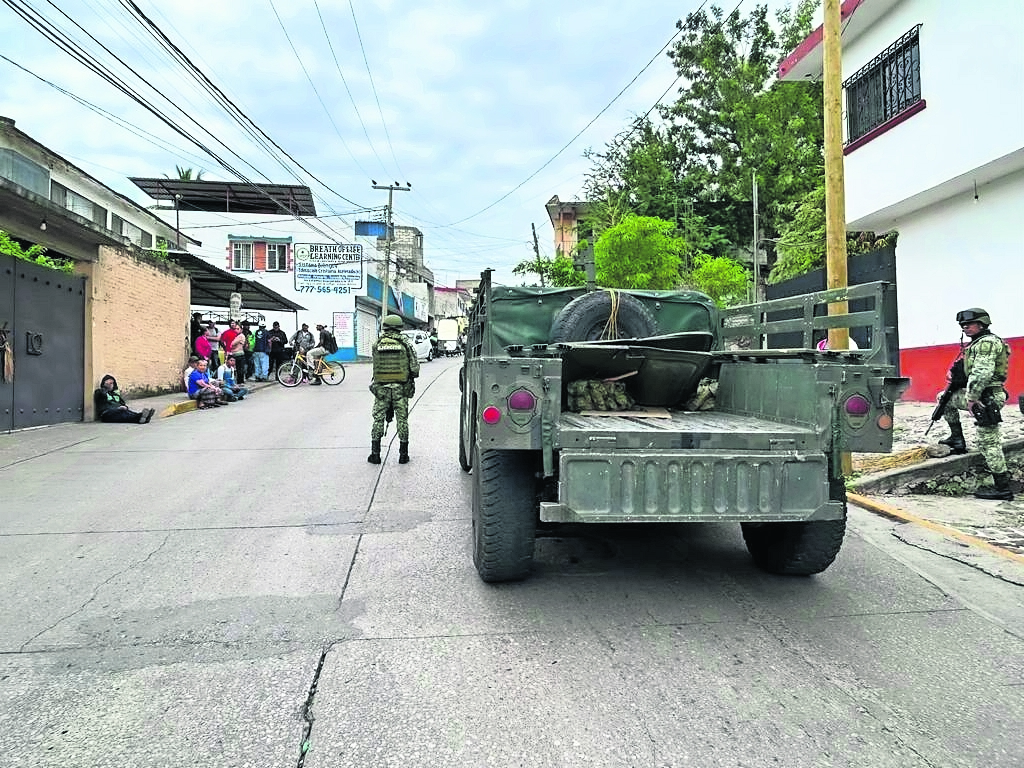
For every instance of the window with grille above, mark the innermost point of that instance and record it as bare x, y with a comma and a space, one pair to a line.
277, 257
889, 85
241, 257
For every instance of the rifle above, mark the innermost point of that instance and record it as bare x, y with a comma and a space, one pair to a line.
957, 378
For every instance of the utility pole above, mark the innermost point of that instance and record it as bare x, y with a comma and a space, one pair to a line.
536, 252
386, 290
754, 258
835, 196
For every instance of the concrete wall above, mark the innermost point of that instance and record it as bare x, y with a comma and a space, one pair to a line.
136, 322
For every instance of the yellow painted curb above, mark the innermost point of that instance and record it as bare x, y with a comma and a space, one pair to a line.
899, 514
175, 408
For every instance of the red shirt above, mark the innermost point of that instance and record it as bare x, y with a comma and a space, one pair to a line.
227, 337
203, 348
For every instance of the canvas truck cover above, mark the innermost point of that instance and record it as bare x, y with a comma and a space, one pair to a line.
523, 315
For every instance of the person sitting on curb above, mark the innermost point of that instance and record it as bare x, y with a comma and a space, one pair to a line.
112, 408
206, 394
226, 374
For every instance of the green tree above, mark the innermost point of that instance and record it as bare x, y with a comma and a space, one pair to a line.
725, 280
34, 253
187, 174
639, 252
558, 272
733, 118
802, 247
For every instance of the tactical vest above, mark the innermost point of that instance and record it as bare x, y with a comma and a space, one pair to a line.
390, 360
981, 345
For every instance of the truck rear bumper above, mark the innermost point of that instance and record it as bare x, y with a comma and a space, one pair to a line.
690, 486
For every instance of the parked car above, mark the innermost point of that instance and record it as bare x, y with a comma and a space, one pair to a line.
421, 343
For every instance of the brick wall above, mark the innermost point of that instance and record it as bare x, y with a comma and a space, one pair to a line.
136, 322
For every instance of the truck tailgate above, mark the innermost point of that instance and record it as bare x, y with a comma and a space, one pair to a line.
701, 429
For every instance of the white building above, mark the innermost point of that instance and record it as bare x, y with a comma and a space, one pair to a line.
934, 130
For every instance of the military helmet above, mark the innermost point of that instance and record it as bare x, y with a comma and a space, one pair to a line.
393, 321
973, 315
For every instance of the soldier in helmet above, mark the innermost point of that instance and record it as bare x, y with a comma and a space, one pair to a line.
394, 367
986, 363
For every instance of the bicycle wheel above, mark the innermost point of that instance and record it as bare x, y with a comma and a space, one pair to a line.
289, 374
333, 373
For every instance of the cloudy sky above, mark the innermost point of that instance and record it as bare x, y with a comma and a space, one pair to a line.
464, 100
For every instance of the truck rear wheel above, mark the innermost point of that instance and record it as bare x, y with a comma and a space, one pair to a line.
585, 318
794, 548
504, 514
464, 461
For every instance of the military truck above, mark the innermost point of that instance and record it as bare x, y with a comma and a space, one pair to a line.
615, 406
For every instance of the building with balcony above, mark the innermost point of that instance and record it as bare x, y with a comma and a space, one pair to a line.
933, 120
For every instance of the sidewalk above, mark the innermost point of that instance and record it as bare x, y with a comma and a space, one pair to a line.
974, 530
175, 403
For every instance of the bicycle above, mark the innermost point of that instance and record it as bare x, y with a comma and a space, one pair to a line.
292, 372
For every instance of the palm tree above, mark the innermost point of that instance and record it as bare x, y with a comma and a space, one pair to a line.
185, 174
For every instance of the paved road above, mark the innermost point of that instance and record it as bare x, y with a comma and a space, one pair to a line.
221, 588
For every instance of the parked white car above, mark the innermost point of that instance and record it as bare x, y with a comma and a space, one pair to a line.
421, 343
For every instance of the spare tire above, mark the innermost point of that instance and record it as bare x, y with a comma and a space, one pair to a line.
586, 317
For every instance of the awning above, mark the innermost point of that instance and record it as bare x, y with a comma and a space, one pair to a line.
230, 196
213, 286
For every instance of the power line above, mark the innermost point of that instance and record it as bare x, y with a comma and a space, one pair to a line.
373, 87
580, 133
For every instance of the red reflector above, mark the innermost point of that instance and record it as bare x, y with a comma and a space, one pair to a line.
491, 415
858, 405
884, 421
522, 400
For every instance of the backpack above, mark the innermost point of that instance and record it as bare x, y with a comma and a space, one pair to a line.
330, 344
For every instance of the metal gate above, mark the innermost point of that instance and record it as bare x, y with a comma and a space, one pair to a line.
366, 332
42, 317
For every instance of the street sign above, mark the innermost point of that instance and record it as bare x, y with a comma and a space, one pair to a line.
328, 267
372, 228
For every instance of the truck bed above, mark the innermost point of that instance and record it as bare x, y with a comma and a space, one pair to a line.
709, 430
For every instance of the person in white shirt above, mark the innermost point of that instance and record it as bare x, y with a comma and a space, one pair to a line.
226, 373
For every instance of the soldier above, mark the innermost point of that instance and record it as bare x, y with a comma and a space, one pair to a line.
986, 362
394, 368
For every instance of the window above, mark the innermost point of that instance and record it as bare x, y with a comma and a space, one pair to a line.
277, 257
24, 172
241, 257
135, 234
75, 203
888, 86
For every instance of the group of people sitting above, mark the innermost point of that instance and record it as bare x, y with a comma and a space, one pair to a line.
212, 392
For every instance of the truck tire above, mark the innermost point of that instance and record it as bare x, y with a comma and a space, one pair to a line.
585, 317
798, 548
504, 514
464, 461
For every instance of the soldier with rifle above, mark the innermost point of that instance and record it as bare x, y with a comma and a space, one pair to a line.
976, 386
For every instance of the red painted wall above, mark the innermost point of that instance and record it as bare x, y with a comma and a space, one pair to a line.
927, 367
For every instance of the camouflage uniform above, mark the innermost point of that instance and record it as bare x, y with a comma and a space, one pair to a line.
395, 366
986, 362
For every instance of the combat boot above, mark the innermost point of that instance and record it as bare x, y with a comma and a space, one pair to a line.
955, 441
403, 452
1000, 491
374, 457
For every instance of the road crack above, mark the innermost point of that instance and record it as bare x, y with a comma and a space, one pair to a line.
95, 593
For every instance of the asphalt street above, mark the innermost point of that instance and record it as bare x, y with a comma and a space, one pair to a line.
238, 587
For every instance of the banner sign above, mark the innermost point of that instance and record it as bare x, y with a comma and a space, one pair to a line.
372, 228
344, 329
328, 267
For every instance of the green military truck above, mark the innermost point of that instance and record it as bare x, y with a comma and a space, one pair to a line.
656, 406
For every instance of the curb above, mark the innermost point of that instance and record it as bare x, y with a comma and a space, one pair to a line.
887, 481
898, 514
185, 406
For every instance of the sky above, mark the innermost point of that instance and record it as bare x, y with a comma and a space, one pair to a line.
475, 104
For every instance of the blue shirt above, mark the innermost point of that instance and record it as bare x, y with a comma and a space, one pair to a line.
193, 381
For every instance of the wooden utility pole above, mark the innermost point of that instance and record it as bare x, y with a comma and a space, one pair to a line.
835, 183
835, 196
391, 188
536, 252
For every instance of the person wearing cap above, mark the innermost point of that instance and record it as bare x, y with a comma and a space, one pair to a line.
986, 359
276, 339
395, 366
261, 353
302, 339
